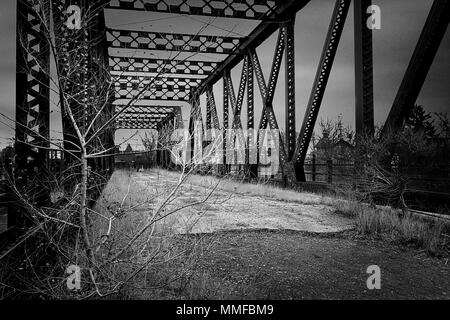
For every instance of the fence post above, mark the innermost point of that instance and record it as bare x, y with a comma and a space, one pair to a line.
313, 168
329, 171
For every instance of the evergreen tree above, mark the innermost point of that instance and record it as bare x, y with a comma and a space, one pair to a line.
421, 121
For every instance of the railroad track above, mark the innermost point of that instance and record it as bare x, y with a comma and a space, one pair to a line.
431, 215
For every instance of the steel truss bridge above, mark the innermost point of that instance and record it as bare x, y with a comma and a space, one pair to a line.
186, 80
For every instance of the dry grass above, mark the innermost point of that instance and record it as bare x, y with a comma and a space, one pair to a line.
382, 222
256, 189
173, 273
167, 260
387, 223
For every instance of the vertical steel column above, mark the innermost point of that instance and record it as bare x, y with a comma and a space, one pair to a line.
32, 95
290, 90
214, 120
251, 145
225, 123
363, 71
208, 111
195, 116
100, 60
69, 44
178, 121
250, 96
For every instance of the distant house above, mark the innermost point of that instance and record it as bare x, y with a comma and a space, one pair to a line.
341, 150
125, 159
130, 158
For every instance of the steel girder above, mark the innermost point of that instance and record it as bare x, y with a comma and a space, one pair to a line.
195, 119
172, 121
72, 63
212, 118
251, 142
178, 86
284, 10
290, 90
267, 91
364, 113
226, 125
32, 91
141, 40
145, 117
236, 107
165, 88
419, 66
99, 62
236, 103
145, 40
82, 58
320, 83
183, 67
242, 9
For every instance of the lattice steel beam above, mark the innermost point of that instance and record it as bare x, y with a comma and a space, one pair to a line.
196, 113
364, 114
99, 63
250, 95
268, 118
128, 64
226, 124
212, 119
32, 91
144, 117
128, 87
169, 82
146, 40
283, 11
136, 125
139, 109
267, 90
290, 90
419, 66
82, 58
242, 9
320, 83
251, 143
236, 103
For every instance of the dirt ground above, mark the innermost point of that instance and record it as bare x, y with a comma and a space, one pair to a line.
294, 265
226, 211
271, 249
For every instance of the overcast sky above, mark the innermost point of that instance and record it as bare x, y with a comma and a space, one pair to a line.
402, 21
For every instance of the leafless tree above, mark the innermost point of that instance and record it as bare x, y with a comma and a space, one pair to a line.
65, 228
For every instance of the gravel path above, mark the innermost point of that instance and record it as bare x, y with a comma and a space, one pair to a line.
270, 249
226, 211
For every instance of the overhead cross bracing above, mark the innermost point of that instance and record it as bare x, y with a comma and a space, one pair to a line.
244, 9
133, 66
146, 117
